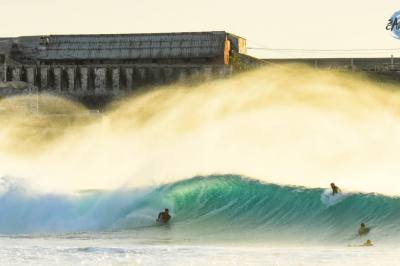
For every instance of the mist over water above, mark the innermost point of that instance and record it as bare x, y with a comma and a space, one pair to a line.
287, 125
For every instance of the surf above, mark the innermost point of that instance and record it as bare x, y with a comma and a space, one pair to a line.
204, 208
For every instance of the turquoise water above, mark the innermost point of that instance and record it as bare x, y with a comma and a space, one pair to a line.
212, 209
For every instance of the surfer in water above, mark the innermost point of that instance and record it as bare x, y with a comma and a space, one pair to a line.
335, 189
164, 217
363, 230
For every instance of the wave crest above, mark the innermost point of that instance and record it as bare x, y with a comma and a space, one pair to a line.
214, 207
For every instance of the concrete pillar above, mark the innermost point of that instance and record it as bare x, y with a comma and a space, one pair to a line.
3, 68
182, 74
142, 74
115, 74
100, 80
16, 74
156, 76
84, 75
129, 79
168, 75
2, 73
44, 78
70, 76
30, 75
208, 73
57, 72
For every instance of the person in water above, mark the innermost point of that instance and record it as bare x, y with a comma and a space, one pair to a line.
335, 189
164, 216
363, 230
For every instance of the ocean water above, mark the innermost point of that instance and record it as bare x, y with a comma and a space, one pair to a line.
216, 220
98, 251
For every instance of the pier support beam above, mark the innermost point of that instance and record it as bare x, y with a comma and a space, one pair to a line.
182, 74
129, 79
30, 75
100, 80
84, 75
57, 79
16, 74
208, 73
44, 78
141, 75
70, 76
115, 75
168, 75
3, 68
156, 75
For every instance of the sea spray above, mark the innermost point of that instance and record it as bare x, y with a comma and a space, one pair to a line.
288, 125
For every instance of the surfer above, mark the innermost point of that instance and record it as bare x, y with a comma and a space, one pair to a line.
363, 230
164, 217
335, 189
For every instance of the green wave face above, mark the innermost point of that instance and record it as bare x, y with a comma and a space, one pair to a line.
213, 208
234, 207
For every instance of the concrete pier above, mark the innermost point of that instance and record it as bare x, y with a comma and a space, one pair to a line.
115, 80
31, 75
83, 79
16, 74
97, 68
100, 80
128, 79
57, 79
70, 79
44, 78
107, 80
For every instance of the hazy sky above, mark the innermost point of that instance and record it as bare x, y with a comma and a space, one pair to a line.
308, 24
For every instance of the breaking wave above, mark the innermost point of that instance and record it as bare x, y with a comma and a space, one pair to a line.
218, 207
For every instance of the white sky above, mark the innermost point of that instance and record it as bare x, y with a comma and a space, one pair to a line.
308, 24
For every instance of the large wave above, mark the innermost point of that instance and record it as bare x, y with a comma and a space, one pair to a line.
220, 207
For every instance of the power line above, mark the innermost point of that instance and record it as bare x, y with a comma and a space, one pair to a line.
324, 50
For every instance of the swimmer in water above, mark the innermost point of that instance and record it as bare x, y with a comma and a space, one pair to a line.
335, 189
363, 230
164, 217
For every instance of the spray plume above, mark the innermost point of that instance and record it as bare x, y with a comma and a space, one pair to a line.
289, 125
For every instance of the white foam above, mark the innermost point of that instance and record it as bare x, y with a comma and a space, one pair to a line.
329, 200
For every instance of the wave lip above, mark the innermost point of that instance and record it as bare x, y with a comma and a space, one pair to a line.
218, 207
